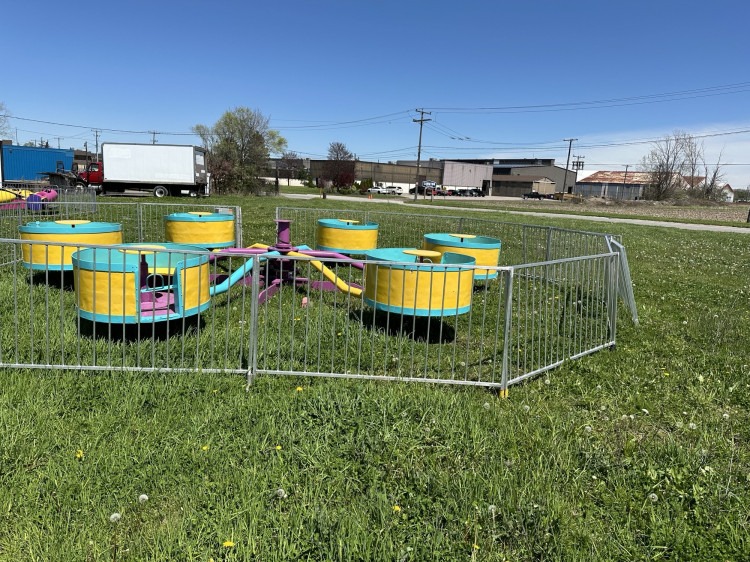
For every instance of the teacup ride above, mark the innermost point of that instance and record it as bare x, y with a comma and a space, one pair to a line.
417, 282
46, 257
485, 250
346, 236
210, 230
139, 283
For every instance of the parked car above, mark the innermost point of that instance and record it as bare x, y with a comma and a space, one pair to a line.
394, 189
475, 193
377, 190
533, 195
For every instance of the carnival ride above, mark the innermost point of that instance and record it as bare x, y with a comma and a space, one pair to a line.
119, 283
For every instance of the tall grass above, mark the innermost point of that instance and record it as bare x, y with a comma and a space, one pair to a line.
637, 453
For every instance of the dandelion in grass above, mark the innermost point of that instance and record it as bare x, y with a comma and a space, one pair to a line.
475, 546
725, 416
396, 508
587, 428
227, 544
143, 498
653, 498
115, 517
701, 378
298, 389
486, 405
278, 447
281, 494
80, 454
691, 425
547, 381
526, 408
204, 448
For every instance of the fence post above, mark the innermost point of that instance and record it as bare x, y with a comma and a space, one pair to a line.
548, 253
238, 227
612, 282
507, 329
139, 213
252, 361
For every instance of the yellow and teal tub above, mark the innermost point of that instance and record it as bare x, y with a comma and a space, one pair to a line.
418, 282
346, 236
134, 283
210, 230
485, 250
43, 256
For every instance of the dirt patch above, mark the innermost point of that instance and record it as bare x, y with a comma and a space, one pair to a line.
672, 210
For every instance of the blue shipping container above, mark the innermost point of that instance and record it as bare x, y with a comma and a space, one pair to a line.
28, 163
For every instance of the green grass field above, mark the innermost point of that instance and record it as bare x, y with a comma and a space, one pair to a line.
640, 453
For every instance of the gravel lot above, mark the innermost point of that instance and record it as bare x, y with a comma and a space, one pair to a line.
717, 212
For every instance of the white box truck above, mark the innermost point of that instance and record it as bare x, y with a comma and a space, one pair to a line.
163, 169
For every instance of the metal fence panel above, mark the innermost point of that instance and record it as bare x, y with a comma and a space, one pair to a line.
141, 222
560, 310
306, 327
45, 324
521, 243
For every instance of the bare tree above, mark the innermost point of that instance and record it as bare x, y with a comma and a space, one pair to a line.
703, 180
4, 121
338, 151
713, 181
340, 167
665, 163
679, 161
291, 163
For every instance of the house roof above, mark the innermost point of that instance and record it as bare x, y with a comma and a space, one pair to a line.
622, 177
694, 181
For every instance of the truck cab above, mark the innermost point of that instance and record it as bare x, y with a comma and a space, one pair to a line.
94, 174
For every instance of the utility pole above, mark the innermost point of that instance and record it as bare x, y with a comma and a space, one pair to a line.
578, 162
96, 135
565, 181
421, 122
625, 177
153, 136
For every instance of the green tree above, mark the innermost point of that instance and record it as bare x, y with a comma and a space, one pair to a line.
239, 146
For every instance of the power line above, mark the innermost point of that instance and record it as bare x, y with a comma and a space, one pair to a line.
740, 87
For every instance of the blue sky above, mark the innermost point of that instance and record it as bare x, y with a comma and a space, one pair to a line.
355, 72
